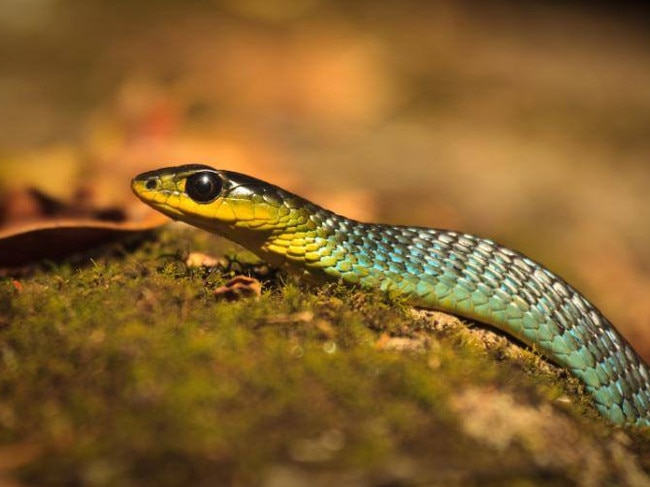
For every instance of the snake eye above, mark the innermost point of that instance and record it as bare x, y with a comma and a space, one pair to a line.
203, 187
151, 184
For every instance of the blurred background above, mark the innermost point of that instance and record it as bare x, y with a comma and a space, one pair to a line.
526, 122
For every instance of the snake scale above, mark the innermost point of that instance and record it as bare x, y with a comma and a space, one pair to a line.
458, 273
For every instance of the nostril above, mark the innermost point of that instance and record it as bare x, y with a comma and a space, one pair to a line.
151, 183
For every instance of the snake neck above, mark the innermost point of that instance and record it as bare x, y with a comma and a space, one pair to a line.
307, 240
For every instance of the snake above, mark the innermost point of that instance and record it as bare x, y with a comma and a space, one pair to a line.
458, 273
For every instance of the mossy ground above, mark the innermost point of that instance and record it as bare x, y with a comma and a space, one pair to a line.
125, 370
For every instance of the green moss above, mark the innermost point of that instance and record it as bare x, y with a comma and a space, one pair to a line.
126, 370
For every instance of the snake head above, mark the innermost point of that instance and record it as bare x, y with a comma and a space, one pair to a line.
224, 202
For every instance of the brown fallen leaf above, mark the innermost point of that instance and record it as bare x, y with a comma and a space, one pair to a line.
35, 225
22, 244
239, 287
17, 455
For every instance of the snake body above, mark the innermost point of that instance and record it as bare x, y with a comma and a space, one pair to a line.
458, 273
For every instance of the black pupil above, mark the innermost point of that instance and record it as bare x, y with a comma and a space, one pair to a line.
203, 187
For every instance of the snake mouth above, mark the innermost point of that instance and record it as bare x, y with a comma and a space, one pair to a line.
148, 188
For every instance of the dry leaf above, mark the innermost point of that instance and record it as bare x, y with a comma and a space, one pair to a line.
238, 288
21, 245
